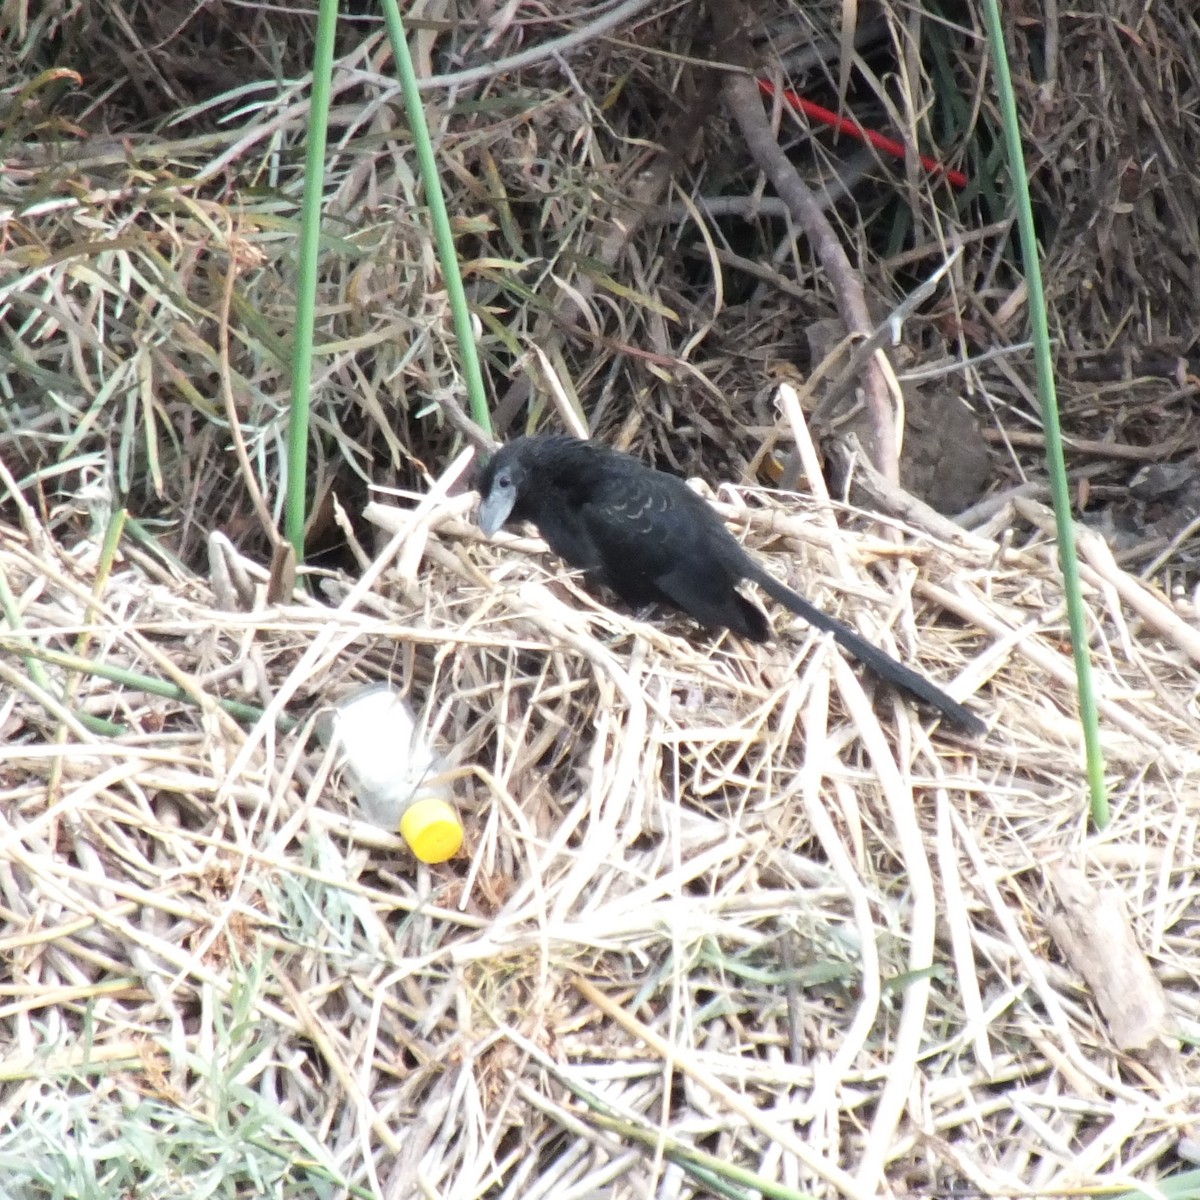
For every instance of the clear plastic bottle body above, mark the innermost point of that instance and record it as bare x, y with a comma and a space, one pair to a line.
395, 774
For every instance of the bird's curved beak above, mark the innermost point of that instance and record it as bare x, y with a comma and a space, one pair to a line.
493, 512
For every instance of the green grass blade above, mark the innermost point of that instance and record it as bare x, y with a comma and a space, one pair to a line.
1068, 560
439, 217
306, 279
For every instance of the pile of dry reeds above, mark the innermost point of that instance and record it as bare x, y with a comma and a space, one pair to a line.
717, 910
711, 899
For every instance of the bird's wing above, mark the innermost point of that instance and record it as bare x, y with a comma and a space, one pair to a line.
566, 532
630, 522
659, 541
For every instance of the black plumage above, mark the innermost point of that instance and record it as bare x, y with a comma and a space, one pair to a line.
651, 539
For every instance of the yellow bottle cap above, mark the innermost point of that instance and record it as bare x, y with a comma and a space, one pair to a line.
432, 830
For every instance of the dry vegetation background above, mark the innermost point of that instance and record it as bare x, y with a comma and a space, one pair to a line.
712, 902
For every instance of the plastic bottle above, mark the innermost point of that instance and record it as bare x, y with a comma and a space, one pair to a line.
395, 774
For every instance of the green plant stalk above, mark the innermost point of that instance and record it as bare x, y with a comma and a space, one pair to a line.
439, 217
249, 713
718, 1176
31, 653
1059, 491
147, 541
19, 643
1184, 1186
710, 1170
108, 555
306, 278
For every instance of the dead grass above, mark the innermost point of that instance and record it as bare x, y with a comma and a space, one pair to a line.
834, 923
712, 900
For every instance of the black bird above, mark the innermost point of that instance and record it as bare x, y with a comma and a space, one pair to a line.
651, 539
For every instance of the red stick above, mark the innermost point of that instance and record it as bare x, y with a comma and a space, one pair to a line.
844, 125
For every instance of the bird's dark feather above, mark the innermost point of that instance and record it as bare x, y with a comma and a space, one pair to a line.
649, 538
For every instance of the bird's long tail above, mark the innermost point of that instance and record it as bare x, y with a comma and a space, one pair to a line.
871, 656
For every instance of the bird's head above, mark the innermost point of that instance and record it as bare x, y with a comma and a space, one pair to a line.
500, 486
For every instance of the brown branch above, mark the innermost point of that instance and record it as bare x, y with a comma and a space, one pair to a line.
732, 46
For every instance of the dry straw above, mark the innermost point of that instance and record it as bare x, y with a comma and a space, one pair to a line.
714, 896
704, 871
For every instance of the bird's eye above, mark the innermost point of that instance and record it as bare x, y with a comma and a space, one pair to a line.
504, 480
